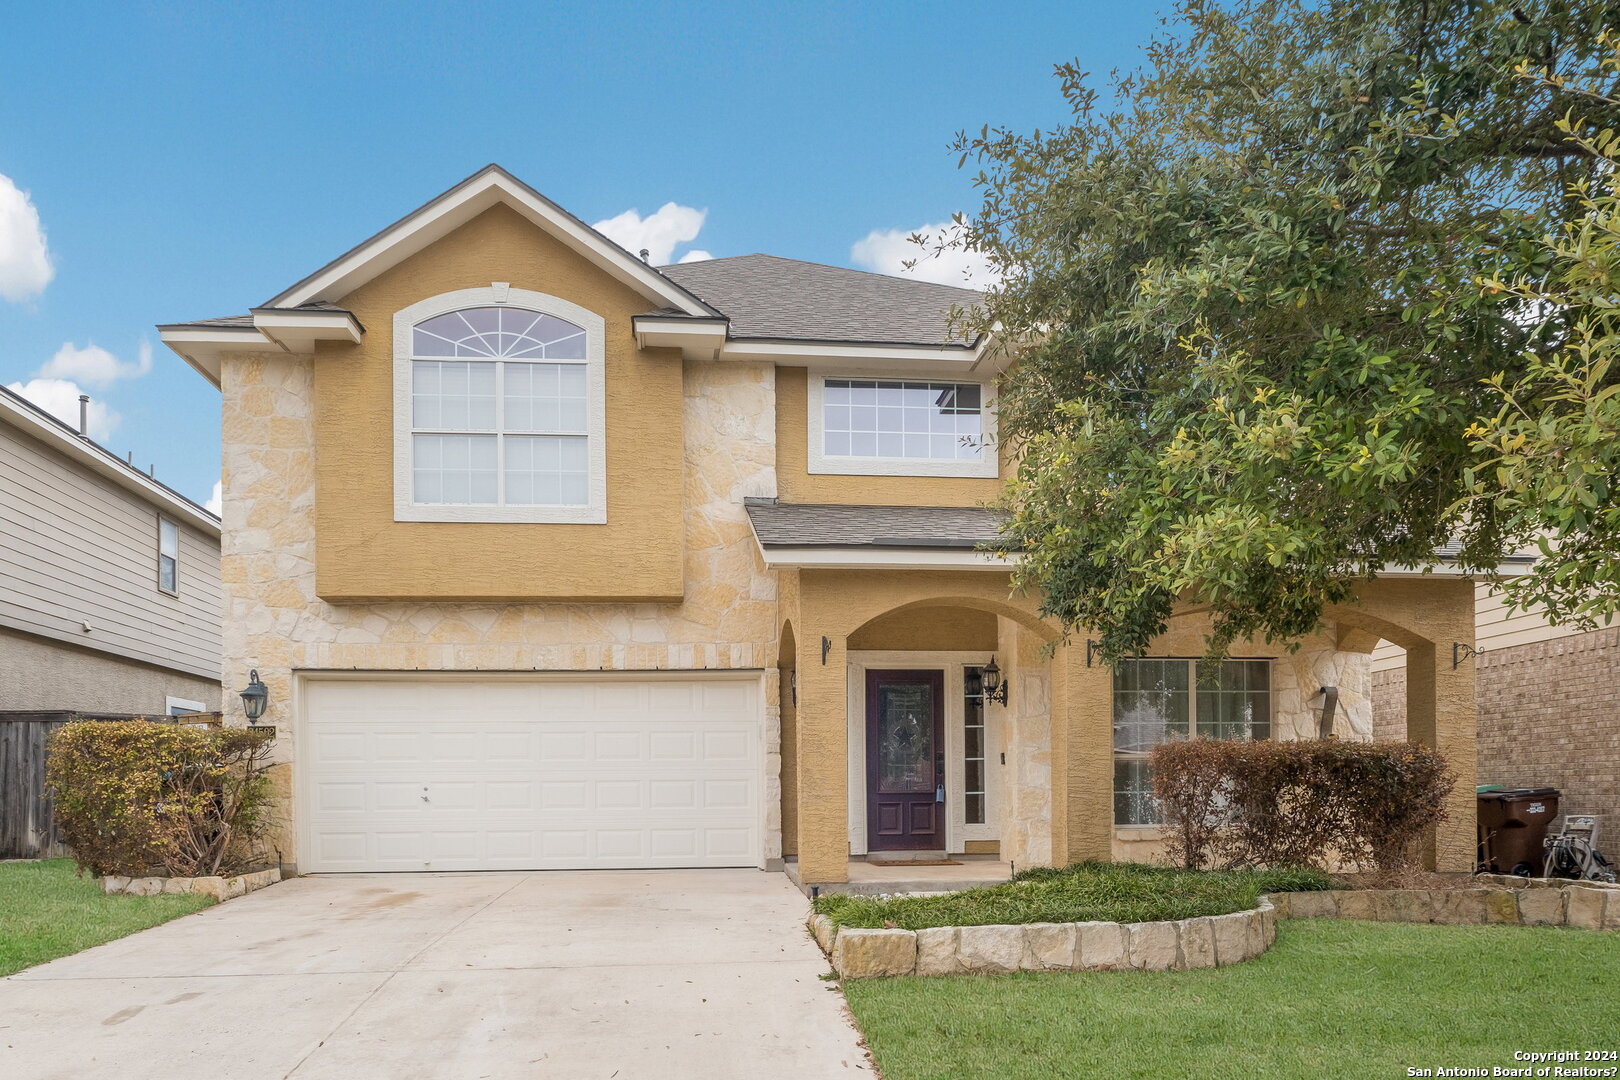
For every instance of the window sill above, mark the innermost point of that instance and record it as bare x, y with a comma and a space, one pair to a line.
503, 515
1138, 833
857, 466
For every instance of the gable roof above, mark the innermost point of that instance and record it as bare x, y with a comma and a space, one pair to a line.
770, 298
436, 218
749, 307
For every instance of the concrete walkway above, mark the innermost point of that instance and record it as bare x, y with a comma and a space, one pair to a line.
610, 974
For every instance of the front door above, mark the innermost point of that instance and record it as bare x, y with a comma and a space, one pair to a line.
905, 760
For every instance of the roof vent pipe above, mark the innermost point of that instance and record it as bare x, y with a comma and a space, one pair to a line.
84, 416
644, 254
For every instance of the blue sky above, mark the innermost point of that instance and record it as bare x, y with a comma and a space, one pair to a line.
188, 160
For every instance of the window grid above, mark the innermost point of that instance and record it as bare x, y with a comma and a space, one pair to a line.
973, 747
1156, 700
498, 332
168, 576
521, 438
895, 419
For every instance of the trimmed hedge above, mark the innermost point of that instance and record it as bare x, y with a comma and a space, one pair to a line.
137, 796
1252, 804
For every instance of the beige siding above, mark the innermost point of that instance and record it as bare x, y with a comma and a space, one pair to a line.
76, 549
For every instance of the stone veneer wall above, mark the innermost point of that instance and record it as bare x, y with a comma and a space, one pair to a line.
1183, 945
1549, 716
274, 620
1025, 802
1504, 900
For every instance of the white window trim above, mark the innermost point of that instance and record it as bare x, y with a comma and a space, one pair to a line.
594, 511
819, 461
162, 521
1192, 718
171, 703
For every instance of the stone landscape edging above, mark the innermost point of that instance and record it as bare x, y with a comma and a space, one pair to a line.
220, 888
1181, 945
1586, 905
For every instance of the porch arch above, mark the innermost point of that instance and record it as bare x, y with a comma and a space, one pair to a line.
1427, 616
1024, 618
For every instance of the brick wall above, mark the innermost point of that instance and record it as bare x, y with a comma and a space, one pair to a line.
1549, 714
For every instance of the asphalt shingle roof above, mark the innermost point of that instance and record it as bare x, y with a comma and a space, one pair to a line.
767, 297
822, 525
247, 320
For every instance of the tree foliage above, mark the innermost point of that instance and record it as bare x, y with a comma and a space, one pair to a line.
1552, 450
1248, 301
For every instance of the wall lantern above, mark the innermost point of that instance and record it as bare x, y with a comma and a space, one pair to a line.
994, 688
255, 697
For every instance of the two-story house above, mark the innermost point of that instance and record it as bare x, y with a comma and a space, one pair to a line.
109, 580
553, 559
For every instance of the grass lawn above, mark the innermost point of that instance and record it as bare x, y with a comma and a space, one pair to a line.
1111, 892
1332, 998
46, 911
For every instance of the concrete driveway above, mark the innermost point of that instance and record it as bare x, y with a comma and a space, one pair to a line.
610, 974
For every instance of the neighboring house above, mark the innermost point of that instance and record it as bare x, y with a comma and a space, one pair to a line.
1549, 707
553, 559
109, 581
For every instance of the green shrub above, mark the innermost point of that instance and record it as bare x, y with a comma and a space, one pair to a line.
134, 797
1307, 803
1108, 892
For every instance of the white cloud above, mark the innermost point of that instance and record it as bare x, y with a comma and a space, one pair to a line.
25, 263
94, 365
887, 251
216, 501
658, 232
696, 255
60, 398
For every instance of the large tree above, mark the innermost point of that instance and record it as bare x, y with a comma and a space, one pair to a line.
1259, 294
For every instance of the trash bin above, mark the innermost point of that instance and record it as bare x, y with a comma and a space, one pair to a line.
1512, 825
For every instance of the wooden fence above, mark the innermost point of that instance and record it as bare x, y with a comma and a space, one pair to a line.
27, 826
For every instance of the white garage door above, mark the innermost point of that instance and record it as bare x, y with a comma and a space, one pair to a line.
513, 774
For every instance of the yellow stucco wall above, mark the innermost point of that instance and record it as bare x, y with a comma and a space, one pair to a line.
363, 554
929, 629
798, 485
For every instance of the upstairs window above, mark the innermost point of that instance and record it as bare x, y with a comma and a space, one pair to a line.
168, 565
503, 416
900, 427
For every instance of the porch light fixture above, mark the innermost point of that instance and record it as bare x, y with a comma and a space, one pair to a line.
994, 688
255, 697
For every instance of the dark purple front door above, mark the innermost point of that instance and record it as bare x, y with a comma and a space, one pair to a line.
905, 760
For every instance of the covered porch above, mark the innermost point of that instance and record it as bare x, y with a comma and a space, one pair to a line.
896, 748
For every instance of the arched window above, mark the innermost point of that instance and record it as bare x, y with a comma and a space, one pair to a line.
503, 410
